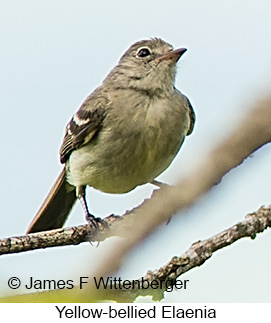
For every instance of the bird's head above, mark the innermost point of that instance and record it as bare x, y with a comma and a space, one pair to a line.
148, 65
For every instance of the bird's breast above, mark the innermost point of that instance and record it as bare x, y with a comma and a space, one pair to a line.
130, 150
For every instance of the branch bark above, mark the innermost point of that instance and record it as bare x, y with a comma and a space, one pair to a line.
57, 237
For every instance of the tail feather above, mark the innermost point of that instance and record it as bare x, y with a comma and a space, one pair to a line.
56, 207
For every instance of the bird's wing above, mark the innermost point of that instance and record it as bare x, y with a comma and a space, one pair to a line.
184, 102
192, 117
83, 125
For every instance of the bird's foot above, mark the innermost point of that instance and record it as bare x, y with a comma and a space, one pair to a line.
96, 223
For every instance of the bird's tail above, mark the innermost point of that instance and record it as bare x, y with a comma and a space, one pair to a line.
56, 207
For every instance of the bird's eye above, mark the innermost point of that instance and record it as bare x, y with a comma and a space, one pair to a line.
143, 52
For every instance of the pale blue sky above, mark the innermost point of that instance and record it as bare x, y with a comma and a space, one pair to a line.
54, 53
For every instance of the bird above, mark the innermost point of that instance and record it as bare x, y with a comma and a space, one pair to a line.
125, 133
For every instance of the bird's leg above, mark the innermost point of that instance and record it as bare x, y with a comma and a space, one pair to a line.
91, 219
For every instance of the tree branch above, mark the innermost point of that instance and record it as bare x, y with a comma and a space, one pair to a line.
166, 276
200, 251
57, 237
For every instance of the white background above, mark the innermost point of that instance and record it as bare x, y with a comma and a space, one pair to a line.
224, 312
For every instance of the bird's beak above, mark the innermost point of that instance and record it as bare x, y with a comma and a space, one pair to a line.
173, 55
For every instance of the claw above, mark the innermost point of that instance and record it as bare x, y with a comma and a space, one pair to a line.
94, 221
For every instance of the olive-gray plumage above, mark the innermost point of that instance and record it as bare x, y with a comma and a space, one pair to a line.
126, 132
